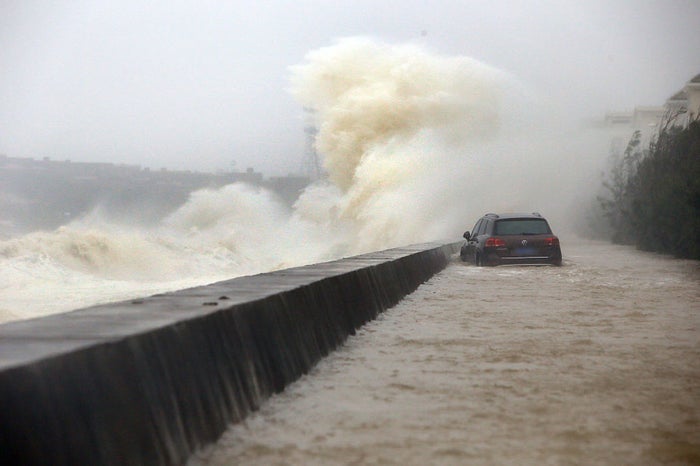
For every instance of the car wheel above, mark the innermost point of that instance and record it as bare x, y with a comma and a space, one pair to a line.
477, 260
492, 260
463, 254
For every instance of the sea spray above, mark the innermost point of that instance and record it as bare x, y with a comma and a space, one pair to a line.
393, 123
415, 146
218, 234
366, 95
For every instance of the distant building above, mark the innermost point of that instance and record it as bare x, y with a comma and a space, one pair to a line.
622, 125
677, 106
684, 105
648, 121
680, 109
619, 127
693, 91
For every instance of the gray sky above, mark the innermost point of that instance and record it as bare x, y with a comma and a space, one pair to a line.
198, 84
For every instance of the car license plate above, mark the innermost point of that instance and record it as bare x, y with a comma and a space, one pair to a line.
525, 252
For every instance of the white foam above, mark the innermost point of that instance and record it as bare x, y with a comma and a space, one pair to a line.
416, 147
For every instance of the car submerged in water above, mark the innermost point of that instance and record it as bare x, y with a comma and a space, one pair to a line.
511, 239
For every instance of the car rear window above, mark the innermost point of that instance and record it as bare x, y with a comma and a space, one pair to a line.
521, 226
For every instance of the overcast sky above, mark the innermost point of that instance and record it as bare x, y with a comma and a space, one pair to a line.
202, 85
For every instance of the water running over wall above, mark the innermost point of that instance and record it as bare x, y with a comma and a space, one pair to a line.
152, 380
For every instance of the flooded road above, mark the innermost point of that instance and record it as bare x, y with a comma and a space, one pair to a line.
594, 362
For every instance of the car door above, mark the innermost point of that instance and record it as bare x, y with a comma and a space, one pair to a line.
473, 239
484, 232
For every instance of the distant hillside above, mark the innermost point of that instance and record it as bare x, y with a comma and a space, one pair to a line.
39, 194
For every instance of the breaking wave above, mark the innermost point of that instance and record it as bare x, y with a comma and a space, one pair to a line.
410, 141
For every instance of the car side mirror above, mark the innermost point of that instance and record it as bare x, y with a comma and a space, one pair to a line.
466, 235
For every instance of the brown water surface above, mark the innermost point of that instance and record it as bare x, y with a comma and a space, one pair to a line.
595, 362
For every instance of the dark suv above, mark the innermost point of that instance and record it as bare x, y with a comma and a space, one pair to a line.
511, 239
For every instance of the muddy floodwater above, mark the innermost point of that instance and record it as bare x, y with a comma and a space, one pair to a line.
595, 362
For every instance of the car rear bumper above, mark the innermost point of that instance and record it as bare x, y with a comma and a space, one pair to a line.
494, 258
526, 260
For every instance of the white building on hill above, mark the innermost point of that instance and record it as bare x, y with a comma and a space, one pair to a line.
682, 107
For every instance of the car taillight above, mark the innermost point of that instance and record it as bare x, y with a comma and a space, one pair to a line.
494, 242
552, 241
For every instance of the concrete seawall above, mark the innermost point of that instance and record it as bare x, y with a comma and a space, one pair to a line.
149, 381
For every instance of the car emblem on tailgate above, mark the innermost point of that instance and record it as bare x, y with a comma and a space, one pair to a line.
524, 242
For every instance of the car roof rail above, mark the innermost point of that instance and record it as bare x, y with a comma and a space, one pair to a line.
490, 214
537, 214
